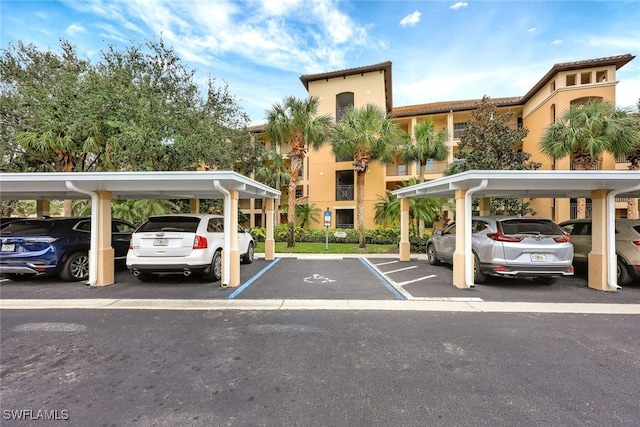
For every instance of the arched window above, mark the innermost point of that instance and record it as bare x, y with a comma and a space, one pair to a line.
344, 100
585, 99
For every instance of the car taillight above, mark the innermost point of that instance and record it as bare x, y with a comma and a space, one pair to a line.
502, 238
636, 242
131, 242
200, 242
562, 239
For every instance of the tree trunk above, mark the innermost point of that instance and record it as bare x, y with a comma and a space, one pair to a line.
360, 209
421, 221
296, 162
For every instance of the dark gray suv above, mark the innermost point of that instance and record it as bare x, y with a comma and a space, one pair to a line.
526, 247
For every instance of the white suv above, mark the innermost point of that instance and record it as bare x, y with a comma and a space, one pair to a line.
183, 243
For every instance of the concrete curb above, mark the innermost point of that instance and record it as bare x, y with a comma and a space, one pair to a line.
330, 305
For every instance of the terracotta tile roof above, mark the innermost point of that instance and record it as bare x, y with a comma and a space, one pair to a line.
446, 106
617, 60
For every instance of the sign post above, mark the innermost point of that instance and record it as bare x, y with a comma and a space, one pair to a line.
327, 224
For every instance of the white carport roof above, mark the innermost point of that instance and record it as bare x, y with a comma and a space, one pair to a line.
136, 185
131, 185
527, 184
532, 184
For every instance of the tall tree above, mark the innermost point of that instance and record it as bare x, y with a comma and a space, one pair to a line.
296, 122
273, 172
426, 144
587, 130
490, 143
366, 134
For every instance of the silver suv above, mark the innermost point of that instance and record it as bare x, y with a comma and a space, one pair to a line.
526, 247
627, 245
185, 244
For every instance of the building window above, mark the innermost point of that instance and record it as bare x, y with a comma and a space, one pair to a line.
344, 218
299, 192
601, 76
571, 79
344, 185
585, 78
344, 101
520, 123
344, 159
458, 128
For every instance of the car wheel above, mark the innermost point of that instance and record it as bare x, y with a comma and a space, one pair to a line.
18, 277
478, 276
623, 274
146, 277
76, 268
431, 255
546, 280
215, 269
248, 257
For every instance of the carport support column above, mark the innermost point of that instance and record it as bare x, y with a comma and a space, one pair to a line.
269, 242
43, 207
106, 265
598, 256
405, 245
485, 206
459, 264
234, 277
194, 205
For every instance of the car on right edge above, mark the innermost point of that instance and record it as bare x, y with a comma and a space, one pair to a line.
627, 238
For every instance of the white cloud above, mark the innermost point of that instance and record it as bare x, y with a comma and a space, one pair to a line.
531, 30
74, 29
411, 19
557, 41
459, 5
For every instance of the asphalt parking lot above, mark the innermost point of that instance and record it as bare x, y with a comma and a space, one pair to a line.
329, 278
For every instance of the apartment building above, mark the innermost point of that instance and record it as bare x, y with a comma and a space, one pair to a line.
327, 182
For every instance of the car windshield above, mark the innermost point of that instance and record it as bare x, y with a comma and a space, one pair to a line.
26, 227
529, 226
171, 223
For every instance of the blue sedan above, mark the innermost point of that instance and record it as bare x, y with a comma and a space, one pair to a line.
54, 246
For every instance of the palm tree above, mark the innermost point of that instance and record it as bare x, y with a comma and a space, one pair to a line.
634, 164
427, 144
273, 172
422, 210
586, 131
307, 213
295, 121
366, 134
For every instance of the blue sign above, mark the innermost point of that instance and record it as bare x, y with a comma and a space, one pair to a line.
327, 218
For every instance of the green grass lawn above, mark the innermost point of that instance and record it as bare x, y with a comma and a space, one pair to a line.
334, 248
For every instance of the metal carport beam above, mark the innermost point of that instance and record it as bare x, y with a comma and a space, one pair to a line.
226, 259
468, 254
93, 250
612, 262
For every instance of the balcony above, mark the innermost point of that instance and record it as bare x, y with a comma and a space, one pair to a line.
344, 192
397, 170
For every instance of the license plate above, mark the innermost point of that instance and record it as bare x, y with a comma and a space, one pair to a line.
8, 247
538, 257
161, 242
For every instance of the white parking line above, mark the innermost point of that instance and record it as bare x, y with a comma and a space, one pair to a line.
385, 263
416, 280
401, 269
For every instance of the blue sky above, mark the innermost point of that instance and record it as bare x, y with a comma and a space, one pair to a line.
440, 50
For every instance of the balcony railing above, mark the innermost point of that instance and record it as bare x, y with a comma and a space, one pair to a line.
435, 167
344, 192
397, 170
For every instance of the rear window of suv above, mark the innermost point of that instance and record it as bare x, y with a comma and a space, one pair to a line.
26, 227
171, 223
530, 226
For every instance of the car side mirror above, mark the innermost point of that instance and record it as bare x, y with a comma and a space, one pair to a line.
246, 230
438, 233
